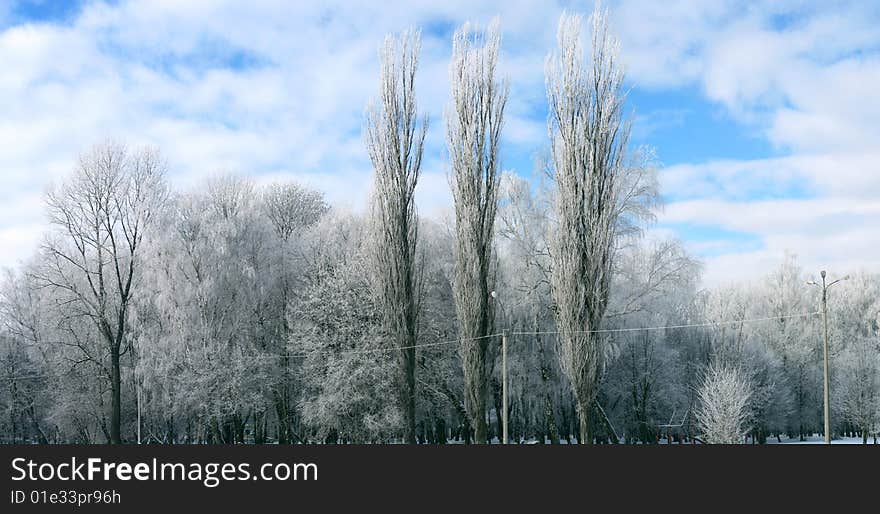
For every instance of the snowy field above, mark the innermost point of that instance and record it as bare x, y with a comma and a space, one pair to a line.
821, 440
815, 439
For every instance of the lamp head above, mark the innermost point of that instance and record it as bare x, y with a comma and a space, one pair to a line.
822, 273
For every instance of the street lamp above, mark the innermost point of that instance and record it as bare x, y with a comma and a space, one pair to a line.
825, 347
494, 296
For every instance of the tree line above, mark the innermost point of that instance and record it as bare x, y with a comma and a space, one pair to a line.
243, 313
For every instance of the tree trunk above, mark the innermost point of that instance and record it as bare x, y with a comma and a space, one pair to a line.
586, 433
499, 416
283, 416
550, 419
409, 411
441, 431
115, 397
481, 431
41, 436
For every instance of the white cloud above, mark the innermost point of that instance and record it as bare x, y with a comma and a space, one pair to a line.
152, 72
806, 81
828, 233
156, 72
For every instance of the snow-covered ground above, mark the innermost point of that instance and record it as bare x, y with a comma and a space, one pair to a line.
817, 439
814, 439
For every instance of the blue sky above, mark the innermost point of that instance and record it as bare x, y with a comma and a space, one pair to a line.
763, 114
25, 11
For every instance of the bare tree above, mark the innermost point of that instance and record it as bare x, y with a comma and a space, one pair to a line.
858, 386
395, 140
588, 144
101, 215
290, 209
474, 119
724, 405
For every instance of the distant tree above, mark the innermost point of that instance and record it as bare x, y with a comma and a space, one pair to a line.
724, 400
793, 341
855, 350
291, 209
857, 388
474, 120
441, 403
21, 348
209, 325
539, 398
395, 139
348, 388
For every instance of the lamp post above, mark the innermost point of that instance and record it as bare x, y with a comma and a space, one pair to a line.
503, 377
825, 386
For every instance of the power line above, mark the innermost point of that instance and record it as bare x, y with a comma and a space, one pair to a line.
547, 332
24, 377
664, 327
632, 329
426, 345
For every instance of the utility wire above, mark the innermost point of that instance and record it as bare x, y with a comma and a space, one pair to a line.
459, 340
426, 345
633, 329
664, 327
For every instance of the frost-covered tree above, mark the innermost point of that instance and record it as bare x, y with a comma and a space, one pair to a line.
209, 293
588, 149
645, 380
857, 387
291, 210
336, 330
441, 403
793, 340
724, 401
23, 391
855, 333
474, 119
28, 356
92, 259
736, 342
539, 400
395, 139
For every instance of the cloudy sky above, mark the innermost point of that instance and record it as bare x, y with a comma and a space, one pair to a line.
765, 115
